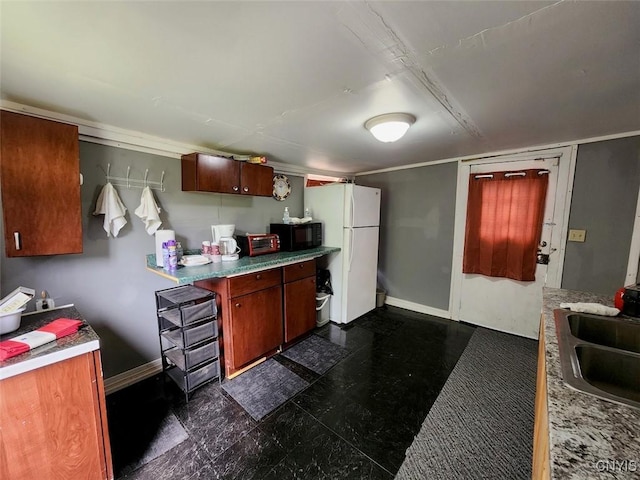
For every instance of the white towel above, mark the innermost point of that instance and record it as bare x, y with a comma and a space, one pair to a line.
148, 211
111, 207
591, 308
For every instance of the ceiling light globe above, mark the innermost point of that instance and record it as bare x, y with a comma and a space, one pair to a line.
390, 126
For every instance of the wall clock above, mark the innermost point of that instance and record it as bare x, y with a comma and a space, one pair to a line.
281, 187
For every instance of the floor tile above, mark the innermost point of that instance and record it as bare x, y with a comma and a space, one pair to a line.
355, 421
213, 420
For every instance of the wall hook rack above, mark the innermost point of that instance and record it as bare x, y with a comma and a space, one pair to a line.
134, 183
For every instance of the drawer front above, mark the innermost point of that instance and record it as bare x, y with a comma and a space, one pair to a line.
299, 270
254, 282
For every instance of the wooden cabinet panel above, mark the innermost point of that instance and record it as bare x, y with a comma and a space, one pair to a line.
40, 174
299, 307
299, 270
256, 180
541, 467
210, 173
216, 174
253, 282
257, 324
54, 422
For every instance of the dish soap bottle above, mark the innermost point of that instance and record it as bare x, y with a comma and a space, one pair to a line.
44, 302
286, 218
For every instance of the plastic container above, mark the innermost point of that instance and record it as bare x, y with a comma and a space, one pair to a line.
322, 309
286, 218
10, 322
381, 295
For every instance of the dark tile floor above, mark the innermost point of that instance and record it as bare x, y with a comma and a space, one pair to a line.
355, 421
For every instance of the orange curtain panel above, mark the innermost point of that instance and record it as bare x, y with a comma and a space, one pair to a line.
505, 212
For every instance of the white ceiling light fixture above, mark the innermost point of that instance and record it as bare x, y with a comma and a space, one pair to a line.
390, 126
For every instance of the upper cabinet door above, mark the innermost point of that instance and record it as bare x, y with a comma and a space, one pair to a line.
210, 173
256, 180
216, 174
40, 175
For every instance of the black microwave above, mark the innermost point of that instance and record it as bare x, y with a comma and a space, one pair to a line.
298, 236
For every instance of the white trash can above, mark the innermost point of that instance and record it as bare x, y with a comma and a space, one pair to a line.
381, 295
322, 309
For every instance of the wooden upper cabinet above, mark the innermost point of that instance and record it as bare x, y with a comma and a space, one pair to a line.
211, 173
256, 180
40, 175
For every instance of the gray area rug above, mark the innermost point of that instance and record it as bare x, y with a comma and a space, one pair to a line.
316, 353
170, 434
264, 388
481, 424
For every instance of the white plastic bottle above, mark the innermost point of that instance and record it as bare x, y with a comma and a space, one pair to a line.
286, 218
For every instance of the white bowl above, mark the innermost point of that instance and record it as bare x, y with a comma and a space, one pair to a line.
10, 322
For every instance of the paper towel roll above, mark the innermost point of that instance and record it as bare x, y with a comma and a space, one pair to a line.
162, 236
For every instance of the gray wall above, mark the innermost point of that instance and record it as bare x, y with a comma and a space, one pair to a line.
605, 195
416, 232
108, 282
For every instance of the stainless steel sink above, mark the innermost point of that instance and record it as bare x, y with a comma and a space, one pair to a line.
600, 355
607, 331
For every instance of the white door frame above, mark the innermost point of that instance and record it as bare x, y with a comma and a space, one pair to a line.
564, 190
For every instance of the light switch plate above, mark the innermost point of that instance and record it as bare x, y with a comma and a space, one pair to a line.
577, 235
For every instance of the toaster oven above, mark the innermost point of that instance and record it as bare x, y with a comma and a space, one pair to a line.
253, 244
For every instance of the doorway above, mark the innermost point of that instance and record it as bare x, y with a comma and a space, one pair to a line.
504, 304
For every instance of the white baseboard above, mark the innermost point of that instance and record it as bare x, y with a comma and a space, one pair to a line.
416, 307
124, 379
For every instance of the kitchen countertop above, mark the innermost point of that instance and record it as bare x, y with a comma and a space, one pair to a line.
586, 434
187, 275
83, 341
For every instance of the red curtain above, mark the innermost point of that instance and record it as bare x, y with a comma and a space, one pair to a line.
505, 211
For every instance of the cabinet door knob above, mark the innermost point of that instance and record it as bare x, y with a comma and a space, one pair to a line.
235, 188
16, 237
301, 265
258, 277
238, 305
245, 189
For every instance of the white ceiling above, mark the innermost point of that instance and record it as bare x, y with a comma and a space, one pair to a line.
296, 81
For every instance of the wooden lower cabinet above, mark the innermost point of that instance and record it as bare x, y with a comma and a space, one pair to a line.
262, 311
299, 299
53, 422
541, 467
257, 324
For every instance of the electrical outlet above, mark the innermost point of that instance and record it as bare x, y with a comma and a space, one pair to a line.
577, 235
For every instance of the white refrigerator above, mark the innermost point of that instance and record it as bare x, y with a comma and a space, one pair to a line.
350, 216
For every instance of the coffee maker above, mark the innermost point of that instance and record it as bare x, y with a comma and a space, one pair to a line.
223, 236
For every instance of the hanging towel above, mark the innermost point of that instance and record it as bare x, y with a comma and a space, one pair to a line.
596, 308
111, 207
148, 211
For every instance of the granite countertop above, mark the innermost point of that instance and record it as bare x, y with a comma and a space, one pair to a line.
187, 275
586, 434
83, 341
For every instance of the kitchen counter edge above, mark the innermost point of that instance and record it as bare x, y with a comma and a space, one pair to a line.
586, 434
85, 340
188, 275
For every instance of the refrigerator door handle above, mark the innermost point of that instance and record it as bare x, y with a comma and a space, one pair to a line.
352, 220
351, 235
